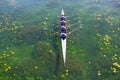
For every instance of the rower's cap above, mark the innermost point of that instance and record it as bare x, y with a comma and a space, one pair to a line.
63, 28
62, 17
63, 22
63, 36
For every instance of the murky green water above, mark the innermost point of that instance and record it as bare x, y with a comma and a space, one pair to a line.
30, 49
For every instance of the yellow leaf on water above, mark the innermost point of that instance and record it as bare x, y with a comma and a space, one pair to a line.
116, 64
62, 75
99, 73
50, 51
36, 67
114, 70
66, 70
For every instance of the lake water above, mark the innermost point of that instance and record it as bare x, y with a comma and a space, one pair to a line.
30, 44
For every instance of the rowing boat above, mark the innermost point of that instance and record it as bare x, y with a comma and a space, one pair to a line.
63, 35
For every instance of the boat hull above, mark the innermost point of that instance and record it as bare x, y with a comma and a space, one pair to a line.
64, 49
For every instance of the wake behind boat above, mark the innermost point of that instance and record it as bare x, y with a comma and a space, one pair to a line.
63, 35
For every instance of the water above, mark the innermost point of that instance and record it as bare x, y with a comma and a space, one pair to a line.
30, 49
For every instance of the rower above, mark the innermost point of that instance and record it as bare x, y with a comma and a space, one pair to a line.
63, 35
63, 29
62, 17
63, 22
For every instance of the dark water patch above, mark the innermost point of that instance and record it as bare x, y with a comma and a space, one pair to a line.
29, 69
43, 50
44, 54
55, 45
98, 64
30, 35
